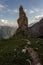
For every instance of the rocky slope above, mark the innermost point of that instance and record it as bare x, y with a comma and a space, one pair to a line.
37, 29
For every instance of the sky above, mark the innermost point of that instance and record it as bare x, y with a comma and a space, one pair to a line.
9, 10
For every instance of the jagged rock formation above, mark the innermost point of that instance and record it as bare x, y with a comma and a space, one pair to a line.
22, 21
34, 31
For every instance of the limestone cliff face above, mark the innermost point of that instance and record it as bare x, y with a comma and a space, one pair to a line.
22, 21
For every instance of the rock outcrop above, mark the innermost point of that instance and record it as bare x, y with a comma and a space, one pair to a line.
22, 21
34, 55
35, 30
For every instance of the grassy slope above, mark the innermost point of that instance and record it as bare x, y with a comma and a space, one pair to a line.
7, 48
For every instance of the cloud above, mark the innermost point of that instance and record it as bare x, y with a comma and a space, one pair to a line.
4, 21
37, 18
8, 23
31, 11
13, 11
25, 10
34, 10
2, 7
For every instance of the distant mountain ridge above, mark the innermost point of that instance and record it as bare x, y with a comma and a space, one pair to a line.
7, 31
37, 29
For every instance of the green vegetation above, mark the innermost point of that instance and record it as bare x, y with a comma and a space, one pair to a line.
11, 50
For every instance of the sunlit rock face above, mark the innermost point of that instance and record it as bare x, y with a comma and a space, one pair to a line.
22, 21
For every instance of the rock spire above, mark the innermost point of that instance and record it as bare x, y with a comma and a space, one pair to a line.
22, 20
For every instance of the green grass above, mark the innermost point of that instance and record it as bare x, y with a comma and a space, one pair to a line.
8, 55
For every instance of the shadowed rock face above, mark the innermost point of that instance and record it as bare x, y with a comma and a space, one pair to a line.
37, 29
22, 21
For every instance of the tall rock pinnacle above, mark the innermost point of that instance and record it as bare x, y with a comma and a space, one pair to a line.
22, 21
